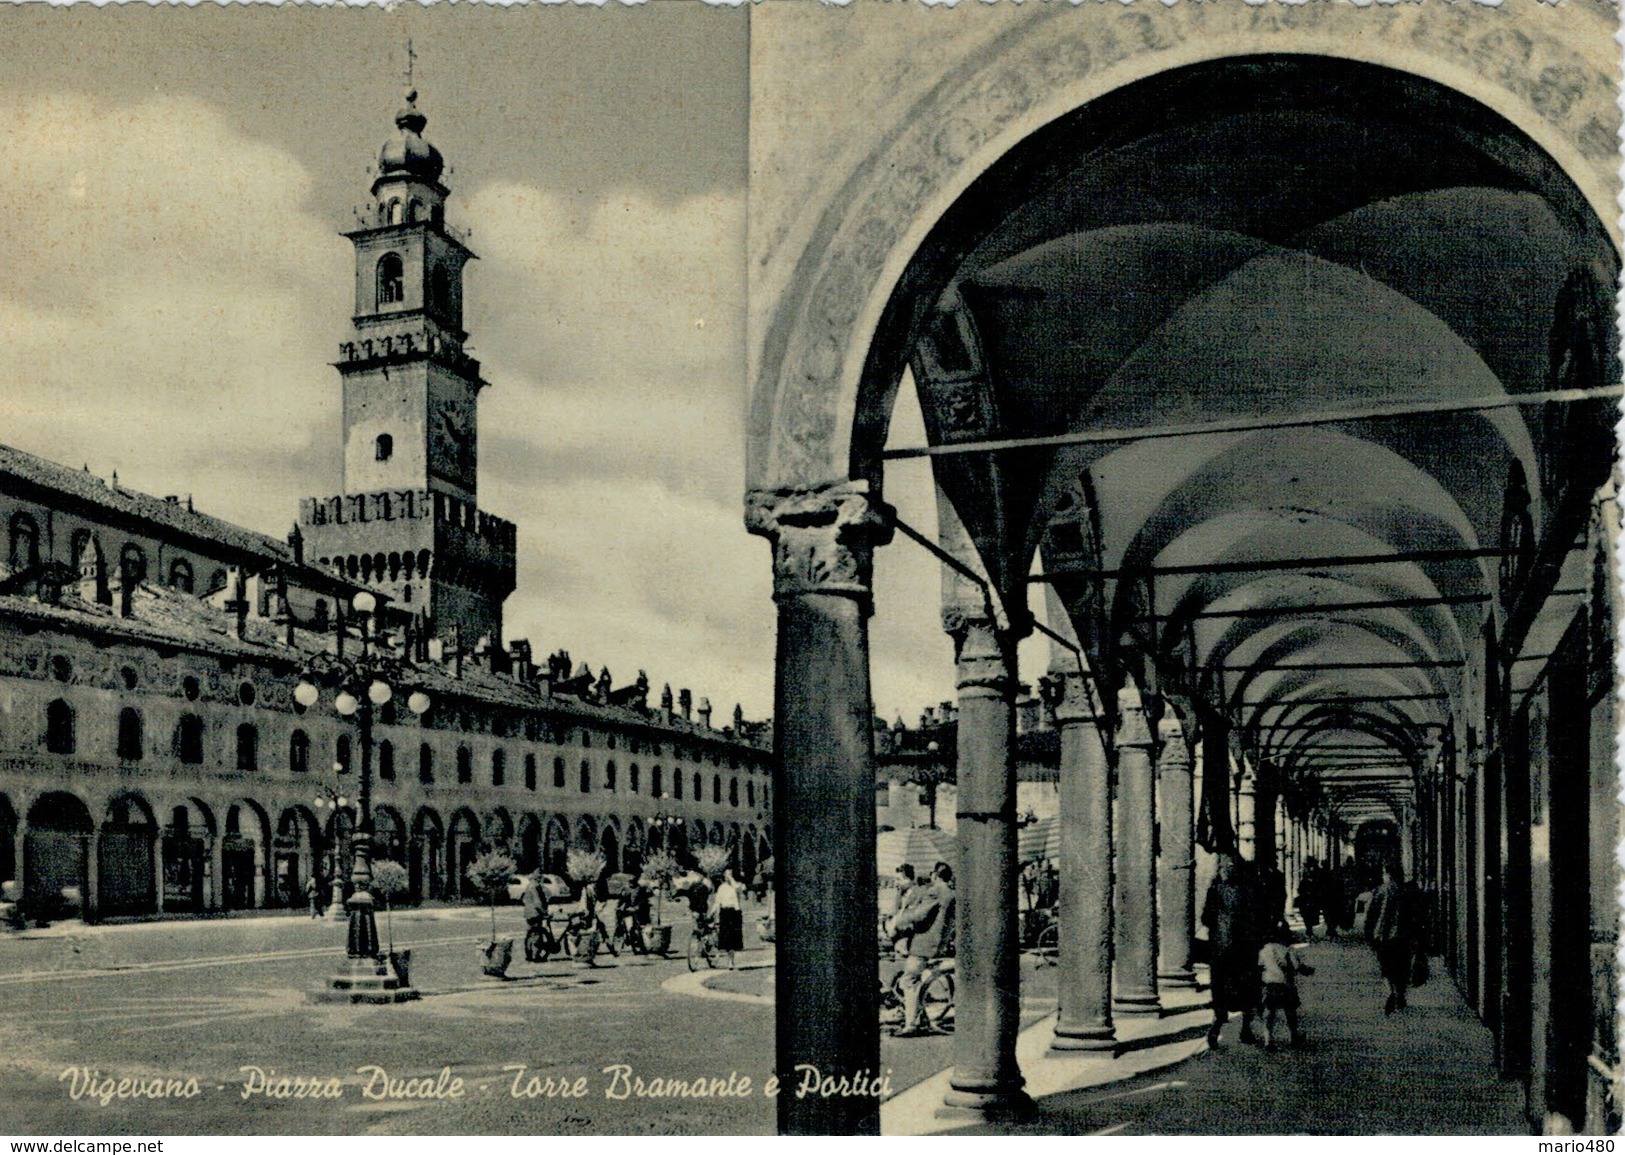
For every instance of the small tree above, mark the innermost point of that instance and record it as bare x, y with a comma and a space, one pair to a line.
491, 872
584, 866
660, 868
389, 879
712, 860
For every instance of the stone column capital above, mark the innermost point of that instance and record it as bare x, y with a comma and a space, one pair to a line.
982, 652
1176, 753
1133, 726
1072, 697
823, 537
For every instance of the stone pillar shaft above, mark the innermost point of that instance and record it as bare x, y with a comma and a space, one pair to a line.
1176, 869
1084, 980
987, 1003
1134, 969
824, 805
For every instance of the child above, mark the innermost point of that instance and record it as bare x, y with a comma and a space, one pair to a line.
1279, 966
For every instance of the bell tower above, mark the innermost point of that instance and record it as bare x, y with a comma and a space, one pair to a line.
408, 519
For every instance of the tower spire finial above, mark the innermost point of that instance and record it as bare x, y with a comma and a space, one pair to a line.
411, 68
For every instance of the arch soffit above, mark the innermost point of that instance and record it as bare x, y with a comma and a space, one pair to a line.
805, 406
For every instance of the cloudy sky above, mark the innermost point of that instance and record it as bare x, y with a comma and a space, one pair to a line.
174, 185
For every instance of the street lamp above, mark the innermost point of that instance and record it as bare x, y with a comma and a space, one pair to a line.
359, 686
331, 799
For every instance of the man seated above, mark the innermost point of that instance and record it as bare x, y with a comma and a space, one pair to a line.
929, 926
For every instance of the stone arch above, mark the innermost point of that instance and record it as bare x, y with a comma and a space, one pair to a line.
389, 835
586, 832
126, 857
424, 868
245, 848
294, 850
555, 844
635, 846
609, 844
496, 829
823, 301
528, 851
56, 849
463, 846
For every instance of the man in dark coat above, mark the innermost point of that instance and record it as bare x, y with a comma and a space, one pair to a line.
1393, 927
1233, 914
929, 925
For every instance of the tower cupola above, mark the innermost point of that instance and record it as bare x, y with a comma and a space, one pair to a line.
409, 154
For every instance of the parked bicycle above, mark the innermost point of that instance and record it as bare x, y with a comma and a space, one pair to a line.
702, 942
936, 998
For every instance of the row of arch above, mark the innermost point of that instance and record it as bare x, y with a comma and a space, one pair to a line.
188, 854
90, 560
393, 566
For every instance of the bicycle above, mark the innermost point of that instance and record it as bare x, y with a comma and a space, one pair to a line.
702, 943
936, 996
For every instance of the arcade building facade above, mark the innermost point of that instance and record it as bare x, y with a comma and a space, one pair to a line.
152, 754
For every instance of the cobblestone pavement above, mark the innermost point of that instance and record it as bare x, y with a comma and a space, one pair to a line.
221, 1001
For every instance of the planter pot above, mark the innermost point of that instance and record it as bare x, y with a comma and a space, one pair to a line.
765, 929
495, 958
657, 939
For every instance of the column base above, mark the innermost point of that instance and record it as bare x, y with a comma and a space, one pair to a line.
1071, 1040
1183, 977
986, 1103
336, 912
1137, 1004
365, 980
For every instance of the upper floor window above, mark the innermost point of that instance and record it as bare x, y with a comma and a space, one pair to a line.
129, 734
299, 752
716, 790
248, 747
465, 765
733, 792
558, 773
632, 782
677, 785
586, 777
656, 787
391, 280
180, 575
24, 542
530, 771
342, 754
59, 735
425, 763
386, 760
132, 564
189, 739
609, 777
384, 447
499, 767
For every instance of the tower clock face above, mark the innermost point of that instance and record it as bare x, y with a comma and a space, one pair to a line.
451, 441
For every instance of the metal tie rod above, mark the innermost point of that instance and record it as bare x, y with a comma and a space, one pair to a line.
1249, 424
1414, 665
1336, 561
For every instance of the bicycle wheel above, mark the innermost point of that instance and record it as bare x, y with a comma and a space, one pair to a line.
1049, 943
696, 951
711, 951
937, 1001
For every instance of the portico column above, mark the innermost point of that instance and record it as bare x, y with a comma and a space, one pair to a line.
1134, 970
987, 1004
824, 805
1176, 869
1084, 977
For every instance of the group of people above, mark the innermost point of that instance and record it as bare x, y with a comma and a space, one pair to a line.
599, 909
1255, 970
1330, 892
922, 930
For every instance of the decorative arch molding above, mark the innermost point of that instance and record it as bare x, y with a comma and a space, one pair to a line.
826, 265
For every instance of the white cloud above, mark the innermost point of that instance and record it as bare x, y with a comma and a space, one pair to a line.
171, 303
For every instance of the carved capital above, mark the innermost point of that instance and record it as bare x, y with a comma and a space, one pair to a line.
1133, 727
823, 537
982, 654
1176, 753
1072, 697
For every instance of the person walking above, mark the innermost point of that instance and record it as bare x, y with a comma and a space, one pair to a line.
1278, 970
929, 925
730, 916
1393, 928
1232, 914
1311, 891
313, 895
538, 934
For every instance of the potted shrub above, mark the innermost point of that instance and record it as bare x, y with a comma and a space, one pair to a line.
712, 861
584, 868
389, 879
659, 869
490, 873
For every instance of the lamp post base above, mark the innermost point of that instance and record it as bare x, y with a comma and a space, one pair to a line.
366, 980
